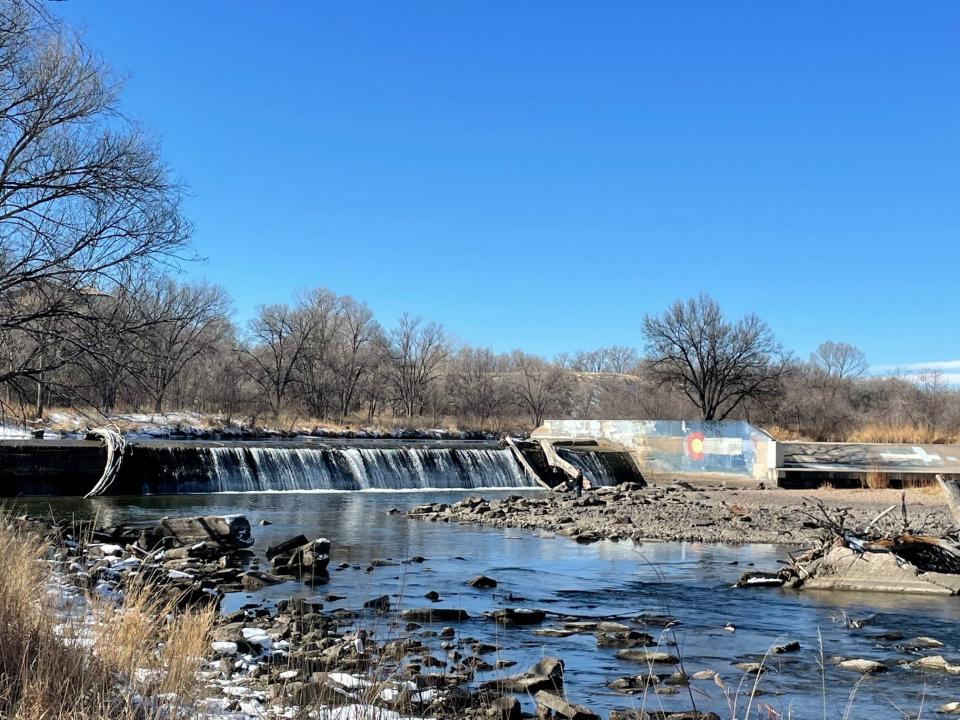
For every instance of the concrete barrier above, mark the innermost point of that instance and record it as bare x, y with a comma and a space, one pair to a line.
730, 448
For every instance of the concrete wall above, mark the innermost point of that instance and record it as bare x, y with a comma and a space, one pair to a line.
665, 447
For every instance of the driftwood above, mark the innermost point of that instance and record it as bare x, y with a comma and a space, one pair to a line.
899, 559
113, 440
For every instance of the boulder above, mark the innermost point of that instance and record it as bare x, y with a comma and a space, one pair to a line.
518, 616
286, 547
482, 582
228, 532
310, 558
937, 662
429, 615
548, 702
545, 675
845, 569
647, 656
862, 666
381, 604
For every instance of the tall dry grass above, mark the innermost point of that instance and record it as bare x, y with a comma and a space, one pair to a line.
910, 434
91, 659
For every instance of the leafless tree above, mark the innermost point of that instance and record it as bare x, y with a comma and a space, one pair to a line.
621, 359
715, 362
417, 351
84, 196
538, 386
277, 340
181, 322
477, 386
839, 360
356, 353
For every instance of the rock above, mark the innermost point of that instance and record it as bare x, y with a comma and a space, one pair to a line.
545, 675
254, 580
844, 569
922, 642
937, 662
787, 647
432, 596
550, 702
224, 647
229, 532
647, 656
518, 616
309, 558
760, 579
482, 582
630, 714
505, 708
380, 604
286, 547
864, 667
430, 615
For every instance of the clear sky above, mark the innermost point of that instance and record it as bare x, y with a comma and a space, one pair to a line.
541, 174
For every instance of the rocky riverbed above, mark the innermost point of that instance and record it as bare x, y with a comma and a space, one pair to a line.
683, 512
456, 636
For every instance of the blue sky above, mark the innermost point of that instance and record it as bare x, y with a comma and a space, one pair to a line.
542, 174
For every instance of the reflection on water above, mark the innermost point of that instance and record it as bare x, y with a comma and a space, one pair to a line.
689, 581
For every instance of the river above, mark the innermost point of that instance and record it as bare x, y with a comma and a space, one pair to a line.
689, 582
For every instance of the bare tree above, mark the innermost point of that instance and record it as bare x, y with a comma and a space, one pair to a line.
715, 362
538, 386
84, 195
839, 360
357, 351
317, 372
476, 383
621, 359
182, 321
417, 351
277, 339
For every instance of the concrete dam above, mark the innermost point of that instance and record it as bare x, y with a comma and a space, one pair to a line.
159, 467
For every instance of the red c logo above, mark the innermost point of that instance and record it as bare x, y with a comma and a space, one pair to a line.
694, 444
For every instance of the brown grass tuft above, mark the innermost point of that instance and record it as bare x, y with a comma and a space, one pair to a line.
91, 660
911, 434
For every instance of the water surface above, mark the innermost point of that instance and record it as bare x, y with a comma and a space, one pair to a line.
687, 581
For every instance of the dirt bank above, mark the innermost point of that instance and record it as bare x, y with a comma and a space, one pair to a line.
681, 512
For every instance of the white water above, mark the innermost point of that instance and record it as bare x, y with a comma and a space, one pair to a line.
592, 465
267, 469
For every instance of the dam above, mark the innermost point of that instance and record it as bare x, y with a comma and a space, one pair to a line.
174, 467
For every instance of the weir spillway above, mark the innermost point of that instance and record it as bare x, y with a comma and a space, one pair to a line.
71, 467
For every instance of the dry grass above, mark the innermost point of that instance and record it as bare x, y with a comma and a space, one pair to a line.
875, 480
93, 659
910, 434
784, 434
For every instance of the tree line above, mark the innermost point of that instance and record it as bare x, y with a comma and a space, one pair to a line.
95, 314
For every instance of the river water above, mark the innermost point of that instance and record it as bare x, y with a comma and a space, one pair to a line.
686, 581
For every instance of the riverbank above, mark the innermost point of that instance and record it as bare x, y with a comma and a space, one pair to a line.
683, 512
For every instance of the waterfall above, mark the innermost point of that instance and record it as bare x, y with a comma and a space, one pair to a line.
597, 467
248, 468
